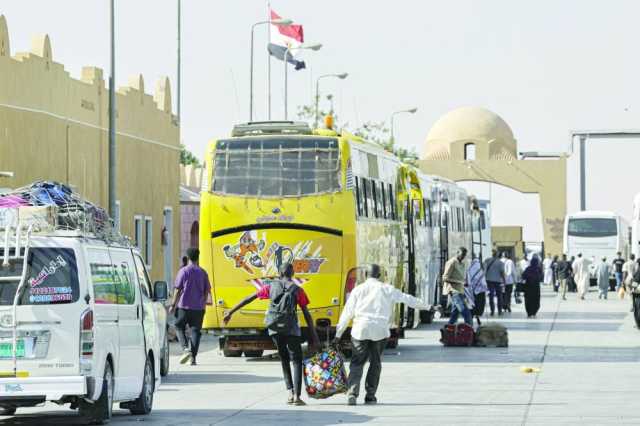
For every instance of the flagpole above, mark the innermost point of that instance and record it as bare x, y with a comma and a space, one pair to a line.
269, 63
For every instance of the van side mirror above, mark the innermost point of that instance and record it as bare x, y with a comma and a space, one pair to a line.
160, 291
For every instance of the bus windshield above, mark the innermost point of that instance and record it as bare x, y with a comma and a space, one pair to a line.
276, 166
592, 227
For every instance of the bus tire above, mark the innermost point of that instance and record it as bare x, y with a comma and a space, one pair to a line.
231, 353
254, 354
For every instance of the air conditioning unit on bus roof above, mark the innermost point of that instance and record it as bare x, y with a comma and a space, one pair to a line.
271, 128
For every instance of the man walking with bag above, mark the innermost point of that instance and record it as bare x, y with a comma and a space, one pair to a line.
282, 322
370, 306
496, 280
454, 278
189, 301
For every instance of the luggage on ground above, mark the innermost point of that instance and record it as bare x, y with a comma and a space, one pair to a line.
325, 374
492, 335
457, 335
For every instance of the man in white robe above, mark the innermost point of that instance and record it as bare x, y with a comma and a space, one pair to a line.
581, 275
548, 272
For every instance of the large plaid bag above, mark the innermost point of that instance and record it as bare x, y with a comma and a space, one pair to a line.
325, 374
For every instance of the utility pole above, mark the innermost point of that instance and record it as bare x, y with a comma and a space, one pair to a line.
112, 119
179, 59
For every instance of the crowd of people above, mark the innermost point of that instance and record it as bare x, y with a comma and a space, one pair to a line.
574, 274
498, 279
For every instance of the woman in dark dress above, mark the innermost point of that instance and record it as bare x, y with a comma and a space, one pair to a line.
554, 266
532, 277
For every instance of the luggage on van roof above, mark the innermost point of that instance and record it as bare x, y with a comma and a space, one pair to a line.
54, 206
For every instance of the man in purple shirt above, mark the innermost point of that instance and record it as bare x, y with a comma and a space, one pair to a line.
192, 291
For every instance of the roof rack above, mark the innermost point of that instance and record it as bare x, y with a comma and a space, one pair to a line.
52, 209
271, 128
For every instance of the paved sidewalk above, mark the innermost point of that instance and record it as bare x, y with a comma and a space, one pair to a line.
587, 353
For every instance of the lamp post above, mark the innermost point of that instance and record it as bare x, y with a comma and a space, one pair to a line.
408, 111
112, 117
314, 47
341, 76
253, 27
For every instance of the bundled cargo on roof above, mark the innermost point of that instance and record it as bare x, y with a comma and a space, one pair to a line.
45, 205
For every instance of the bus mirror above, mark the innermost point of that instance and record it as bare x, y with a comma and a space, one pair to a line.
160, 291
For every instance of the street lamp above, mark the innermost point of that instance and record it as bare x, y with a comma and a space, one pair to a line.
341, 76
408, 111
253, 27
315, 47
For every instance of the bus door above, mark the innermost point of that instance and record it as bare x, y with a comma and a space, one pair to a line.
444, 220
412, 211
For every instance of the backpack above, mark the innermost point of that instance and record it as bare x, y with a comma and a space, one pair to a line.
282, 316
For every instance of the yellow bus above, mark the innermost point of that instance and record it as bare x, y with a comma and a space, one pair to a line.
279, 192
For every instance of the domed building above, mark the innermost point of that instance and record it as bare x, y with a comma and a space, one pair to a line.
470, 133
477, 145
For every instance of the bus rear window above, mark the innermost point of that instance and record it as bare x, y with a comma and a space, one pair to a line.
592, 227
276, 167
52, 278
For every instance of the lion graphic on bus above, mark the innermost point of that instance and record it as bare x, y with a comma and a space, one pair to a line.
252, 255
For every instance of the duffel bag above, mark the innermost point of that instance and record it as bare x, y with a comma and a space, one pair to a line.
457, 335
492, 335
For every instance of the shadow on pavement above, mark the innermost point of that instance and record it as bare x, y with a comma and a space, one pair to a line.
215, 377
514, 354
294, 415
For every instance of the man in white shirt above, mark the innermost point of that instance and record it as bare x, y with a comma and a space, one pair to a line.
370, 306
510, 279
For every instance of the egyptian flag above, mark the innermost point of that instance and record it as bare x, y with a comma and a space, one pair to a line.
283, 37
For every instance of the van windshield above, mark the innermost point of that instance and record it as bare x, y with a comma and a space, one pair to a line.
52, 278
276, 166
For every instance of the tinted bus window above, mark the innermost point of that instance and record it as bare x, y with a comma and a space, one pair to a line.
52, 278
278, 166
592, 227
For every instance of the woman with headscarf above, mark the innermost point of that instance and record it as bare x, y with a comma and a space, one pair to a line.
477, 288
532, 277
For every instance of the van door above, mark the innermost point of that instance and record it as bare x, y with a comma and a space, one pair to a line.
132, 355
106, 340
153, 314
48, 314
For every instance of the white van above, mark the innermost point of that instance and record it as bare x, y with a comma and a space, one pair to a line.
90, 328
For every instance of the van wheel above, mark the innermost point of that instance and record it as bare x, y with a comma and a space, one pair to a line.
231, 353
7, 411
100, 411
144, 403
253, 354
164, 360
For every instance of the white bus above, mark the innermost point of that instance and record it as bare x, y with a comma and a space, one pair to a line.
635, 226
596, 234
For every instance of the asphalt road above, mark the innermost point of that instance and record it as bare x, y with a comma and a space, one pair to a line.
587, 353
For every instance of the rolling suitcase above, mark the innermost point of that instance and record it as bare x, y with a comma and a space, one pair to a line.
457, 335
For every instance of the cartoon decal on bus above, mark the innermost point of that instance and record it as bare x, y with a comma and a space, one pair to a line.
250, 255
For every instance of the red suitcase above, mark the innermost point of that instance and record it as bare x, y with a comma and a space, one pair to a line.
457, 335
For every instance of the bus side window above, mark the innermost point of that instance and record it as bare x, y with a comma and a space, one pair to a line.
376, 199
383, 197
365, 193
358, 200
392, 204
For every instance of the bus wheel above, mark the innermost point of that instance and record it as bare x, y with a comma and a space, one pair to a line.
426, 317
253, 354
231, 353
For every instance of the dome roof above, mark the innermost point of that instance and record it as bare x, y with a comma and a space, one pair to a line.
487, 130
